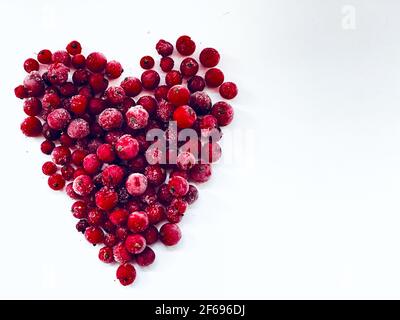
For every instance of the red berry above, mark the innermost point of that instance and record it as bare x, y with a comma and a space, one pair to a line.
121, 255
223, 112
155, 174
150, 234
135, 243
110, 240
96, 62
112, 175
62, 56
98, 83
137, 117
32, 106
164, 48
47, 146
132, 86
189, 67
178, 186
81, 77
214, 77
58, 73
166, 64
146, 257
95, 217
83, 185
51, 101
150, 79
106, 198
184, 116
78, 61
31, 127
149, 103
126, 147
155, 212
33, 86
68, 89
119, 216
77, 157
126, 274
200, 102
94, 235
56, 181
185, 45
200, 173
49, 168
31, 65
192, 195
178, 95
20, 92
74, 47
173, 78
91, 164
105, 152
44, 56
136, 184
115, 95
160, 93
79, 209
58, 119
113, 69
209, 57
67, 171
185, 160
78, 129
110, 119
147, 62
138, 221
228, 90
164, 196
106, 255
170, 234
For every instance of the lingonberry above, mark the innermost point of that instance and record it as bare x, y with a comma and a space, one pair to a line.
96, 106
58, 119
165, 110
185, 45
106, 255
44, 56
160, 93
170, 234
179, 173
110, 118
20, 92
172, 215
105, 152
115, 95
49, 168
126, 274
164, 48
82, 225
173, 78
47, 146
56, 181
69, 190
95, 217
132, 86
58, 73
155, 174
91, 164
110, 240
81, 77
136, 184
138, 221
149, 103
119, 217
94, 235
214, 77
200, 102
178, 186
192, 195
67, 171
121, 255
32, 106
178, 95
208, 125
184, 116
31, 127
126, 147
146, 257
164, 196
147, 62
106, 198
78, 61
86, 91
79, 209
209, 57
33, 85
135, 243
155, 212
68, 89
51, 101
31, 65
113, 69
78, 129
223, 112
83, 185
49, 133
112, 175
228, 90
150, 79
77, 156
137, 117
149, 196
62, 56
98, 83
96, 62
200, 173
185, 160
150, 234
189, 67
211, 152
74, 47
166, 64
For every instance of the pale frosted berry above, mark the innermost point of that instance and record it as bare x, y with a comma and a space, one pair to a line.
115, 95
62, 56
137, 117
58, 73
126, 147
136, 184
110, 119
83, 185
58, 119
33, 85
78, 129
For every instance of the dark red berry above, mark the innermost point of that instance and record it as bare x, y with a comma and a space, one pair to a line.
135, 243
149, 103
150, 79
94, 235
170, 234
132, 86
74, 47
223, 112
147, 62
31, 65
31, 127
32, 106
126, 274
47, 146
185, 45
200, 102
98, 83
228, 90
200, 173
184, 117
166, 64
44, 56
56, 181
209, 57
196, 83
214, 77
49, 168
96, 62
150, 234
146, 257
20, 92
113, 69
82, 225
189, 67
78, 61
164, 48
62, 56
173, 78
106, 255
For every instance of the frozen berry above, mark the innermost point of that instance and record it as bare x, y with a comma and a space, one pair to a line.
214, 77
91, 164
98, 83
150, 79
146, 257
185, 160
44, 56
31, 65
94, 235
155, 174
58, 119
74, 47
126, 274
58, 73
96, 62
173, 78
189, 67
223, 112
47, 146
56, 181
137, 117
32, 106
132, 86
228, 90
126, 147
31, 127
192, 195
33, 84
78, 61
49, 168
138, 221
20, 92
113, 69
164, 48
78, 129
185, 45
184, 116
166, 64
83, 185
178, 186
115, 95
110, 119
170, 234
200, 102
178, 95
106, 198
106, 255
160, 93
200, 173
147, 62
112, 175
105, 152
119, 216
136, 184
209, 57
62, 56
95, 217
135, 243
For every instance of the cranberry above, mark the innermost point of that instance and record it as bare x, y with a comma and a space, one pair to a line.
78, 156
200, 102
66, 140
115, 95
98, 83
149, 103
106, 255
200, 173
160, 93
155, 212
32, 106
120, 253
179, 173
56, 181
83, 185
95, 217
78, 61
192, 195
166, 64
136, 184
91, 164
96, 62
132, 86
96, 106
170, 234
150, 234
49, 133
178, 95
126, 274
78, 129
184, 116
135, 243
49, 168
164, 48
112, 175
67, 171
61, 155
44, 56
31, 65
110, 240
62, 56
209, 57
119, 216
150, 79
69, 190
155, 175
105, 152
82, 225
50, 101
133, 205
20, 92
208, 125
164, 110
58, 119
138, 221
137, 117
86, 91
149, 196
164, 196
147, 62
223, 112
33, 84
126, 147
68, 89
94, 235
189, 67
228, 90
106, 198
185, 45
47, 146
185, 160
173, 78
74, 47
214, 77
211, 152
81, 77
79, 209
110, 119
58, 73
146, 257
178, 186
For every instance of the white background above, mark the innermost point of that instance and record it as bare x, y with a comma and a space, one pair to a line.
309, 205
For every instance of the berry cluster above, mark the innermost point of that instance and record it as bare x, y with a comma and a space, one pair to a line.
96, 136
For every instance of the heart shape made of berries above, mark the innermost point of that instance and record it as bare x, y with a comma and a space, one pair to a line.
126, 163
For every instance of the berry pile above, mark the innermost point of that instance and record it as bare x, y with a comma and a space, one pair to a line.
124, 162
